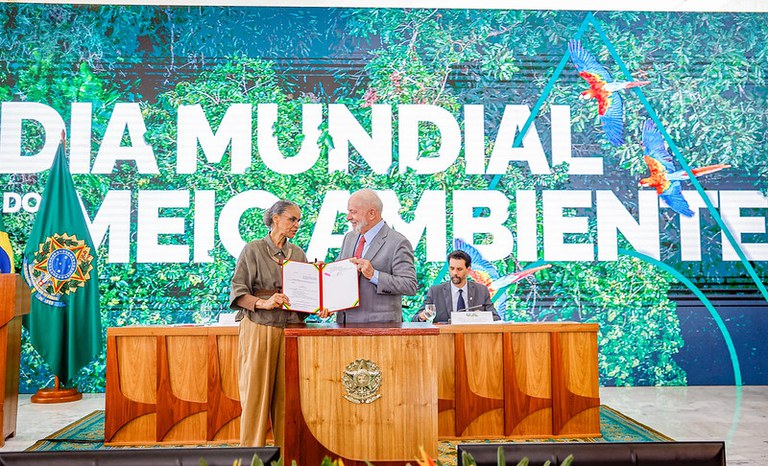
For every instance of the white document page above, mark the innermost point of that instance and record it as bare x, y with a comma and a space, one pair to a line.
301, 283
341, 289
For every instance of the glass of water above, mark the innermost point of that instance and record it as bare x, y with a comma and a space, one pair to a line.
429, 312
205, 314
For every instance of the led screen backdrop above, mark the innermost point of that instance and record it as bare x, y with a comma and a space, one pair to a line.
184, 123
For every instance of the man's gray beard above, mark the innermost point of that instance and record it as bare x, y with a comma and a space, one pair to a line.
456, 280
360, 225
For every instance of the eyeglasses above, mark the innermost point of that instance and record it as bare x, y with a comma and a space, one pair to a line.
294, 220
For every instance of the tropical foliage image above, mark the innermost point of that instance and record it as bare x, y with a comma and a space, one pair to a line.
476, 131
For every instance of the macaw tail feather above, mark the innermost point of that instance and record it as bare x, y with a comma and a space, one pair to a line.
632, 84
709, 169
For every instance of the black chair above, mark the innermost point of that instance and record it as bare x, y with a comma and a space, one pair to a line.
600, 454
140, 456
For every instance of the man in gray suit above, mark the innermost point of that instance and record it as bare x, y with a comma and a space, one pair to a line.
384, 258
458, 294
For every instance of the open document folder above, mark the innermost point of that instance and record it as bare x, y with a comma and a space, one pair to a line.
312, 286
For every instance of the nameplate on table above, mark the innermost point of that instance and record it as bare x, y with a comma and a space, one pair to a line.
472, 317
227, 318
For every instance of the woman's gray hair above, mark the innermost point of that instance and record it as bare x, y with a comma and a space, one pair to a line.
277, 209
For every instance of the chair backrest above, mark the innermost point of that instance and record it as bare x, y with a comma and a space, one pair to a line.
600, 454
144, 456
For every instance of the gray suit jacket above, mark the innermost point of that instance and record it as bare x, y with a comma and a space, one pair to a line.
440, 296
391, 255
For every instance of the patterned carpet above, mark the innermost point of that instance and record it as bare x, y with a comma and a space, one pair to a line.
88, 434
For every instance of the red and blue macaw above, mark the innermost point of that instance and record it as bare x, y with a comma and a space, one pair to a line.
664, 177
485, 273
602, 88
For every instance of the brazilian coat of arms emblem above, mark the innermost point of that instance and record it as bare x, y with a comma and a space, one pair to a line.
362, 380
61, 265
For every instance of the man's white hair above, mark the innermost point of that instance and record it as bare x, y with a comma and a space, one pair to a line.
369, 198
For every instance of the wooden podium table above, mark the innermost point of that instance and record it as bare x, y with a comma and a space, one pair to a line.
526, 380
14, 302
178, 384
360, 393
172, 385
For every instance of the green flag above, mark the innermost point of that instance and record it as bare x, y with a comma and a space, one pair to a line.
60, 266
6, 253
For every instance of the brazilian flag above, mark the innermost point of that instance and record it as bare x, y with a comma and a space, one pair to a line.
60, 266
6, 253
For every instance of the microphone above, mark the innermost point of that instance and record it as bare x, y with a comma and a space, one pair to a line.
472, 308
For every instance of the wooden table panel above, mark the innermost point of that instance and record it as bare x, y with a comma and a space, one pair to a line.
446, 386
575, 389
15, 299
223, 393
549, 380
485, 364
369, 431
527, 380
226, 349
139, 430
388, 430
137, 357
187, 355
528, 384
172, 385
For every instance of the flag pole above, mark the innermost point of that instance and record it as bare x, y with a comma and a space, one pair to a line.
57, 394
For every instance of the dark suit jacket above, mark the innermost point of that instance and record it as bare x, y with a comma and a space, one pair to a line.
391, 255
440, 296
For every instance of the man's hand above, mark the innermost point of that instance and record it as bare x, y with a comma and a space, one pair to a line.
364, 266
324, 313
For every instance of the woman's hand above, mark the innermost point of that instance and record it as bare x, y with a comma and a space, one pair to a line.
275, 301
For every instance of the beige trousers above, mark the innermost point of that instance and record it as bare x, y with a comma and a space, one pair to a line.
262, 383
